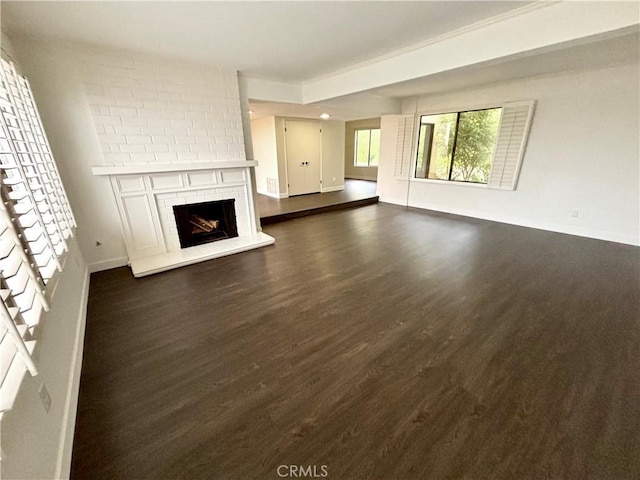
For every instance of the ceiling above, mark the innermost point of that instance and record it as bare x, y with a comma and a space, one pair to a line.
596, 54
297, 41
285, 41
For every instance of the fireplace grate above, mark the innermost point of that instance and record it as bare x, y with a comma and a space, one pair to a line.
200, 223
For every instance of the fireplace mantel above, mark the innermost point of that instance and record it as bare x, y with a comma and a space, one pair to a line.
155, 168
145, 196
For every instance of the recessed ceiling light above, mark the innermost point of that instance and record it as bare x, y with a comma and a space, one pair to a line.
325, 116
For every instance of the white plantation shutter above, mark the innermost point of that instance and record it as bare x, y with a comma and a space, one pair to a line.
32, 148
510, 145
35, 222
23, 301
403, 146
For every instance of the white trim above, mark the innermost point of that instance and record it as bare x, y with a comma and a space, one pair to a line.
449, 182
188, 256
549, 227
107, 264
337, 188
63, 462
400, 204
465, 108
174, 167
273, 195
361, 177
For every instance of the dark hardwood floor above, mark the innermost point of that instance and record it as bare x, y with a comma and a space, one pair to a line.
356, 193
381, 342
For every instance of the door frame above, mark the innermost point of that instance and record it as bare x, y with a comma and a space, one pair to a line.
284, 136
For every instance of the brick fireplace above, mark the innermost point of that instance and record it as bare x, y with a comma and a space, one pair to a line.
148, 196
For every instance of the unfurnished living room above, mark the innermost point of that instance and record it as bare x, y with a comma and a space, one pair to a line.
345, 240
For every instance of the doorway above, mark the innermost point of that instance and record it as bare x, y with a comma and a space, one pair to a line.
303, 146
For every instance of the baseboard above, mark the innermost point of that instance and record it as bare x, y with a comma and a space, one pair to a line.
63, 464
549, 227
108, 264
393, 201
361, 177
273, 195
337, 188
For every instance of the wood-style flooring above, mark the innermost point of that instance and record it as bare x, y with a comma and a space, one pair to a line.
381, 343
356, 193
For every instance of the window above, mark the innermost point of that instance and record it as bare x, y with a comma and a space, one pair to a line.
458, 146
35, 222
484, 146
367, 147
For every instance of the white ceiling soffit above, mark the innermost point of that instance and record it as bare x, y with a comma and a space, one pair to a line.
598, 54
283, 41
387, 99
533, 29
352, 107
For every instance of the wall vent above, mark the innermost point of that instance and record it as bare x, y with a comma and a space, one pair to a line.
272, 185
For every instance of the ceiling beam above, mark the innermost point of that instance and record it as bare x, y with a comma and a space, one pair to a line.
270, 91
538, 26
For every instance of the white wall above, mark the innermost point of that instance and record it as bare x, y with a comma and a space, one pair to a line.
282, 157
263, 133
36, 444
332, 155
151, 110
389, 188
104, 107
582, 155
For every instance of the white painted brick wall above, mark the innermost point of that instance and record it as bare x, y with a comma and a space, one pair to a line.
159, 111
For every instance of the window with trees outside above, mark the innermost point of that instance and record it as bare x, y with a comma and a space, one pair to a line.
458, 146
367, 147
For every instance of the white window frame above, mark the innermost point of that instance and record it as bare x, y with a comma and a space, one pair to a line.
35, 223
511, 183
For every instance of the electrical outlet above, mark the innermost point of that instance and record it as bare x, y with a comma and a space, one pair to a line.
334, 179
45, 397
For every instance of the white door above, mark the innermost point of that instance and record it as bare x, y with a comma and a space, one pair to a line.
303, 149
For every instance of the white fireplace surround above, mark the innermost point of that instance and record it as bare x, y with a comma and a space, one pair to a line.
145, 196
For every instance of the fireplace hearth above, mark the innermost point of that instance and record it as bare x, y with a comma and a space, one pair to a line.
147, 194
206, 222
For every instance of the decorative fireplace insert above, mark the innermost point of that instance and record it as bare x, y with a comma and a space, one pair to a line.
205, 222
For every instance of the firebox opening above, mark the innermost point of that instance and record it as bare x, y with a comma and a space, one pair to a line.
205, 222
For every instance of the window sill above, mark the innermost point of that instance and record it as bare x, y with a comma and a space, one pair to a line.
447, 182
365, 166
